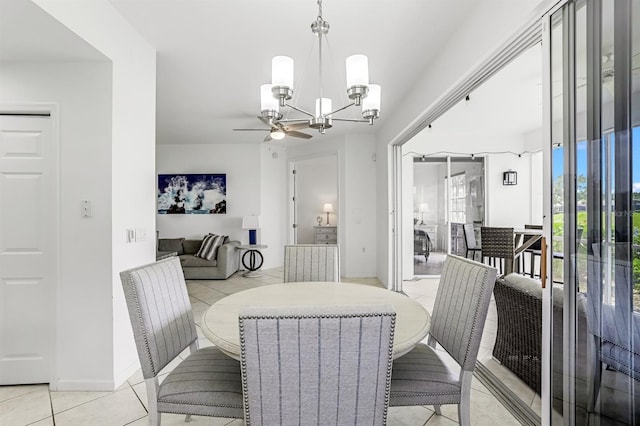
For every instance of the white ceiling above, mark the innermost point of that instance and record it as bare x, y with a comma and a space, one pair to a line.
212, 56
27, 33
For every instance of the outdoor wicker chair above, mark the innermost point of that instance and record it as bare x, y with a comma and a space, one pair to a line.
498, 247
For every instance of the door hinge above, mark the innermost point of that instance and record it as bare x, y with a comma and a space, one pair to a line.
293, 171
295, 225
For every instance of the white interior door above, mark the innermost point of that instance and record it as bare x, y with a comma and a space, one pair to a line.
28, 216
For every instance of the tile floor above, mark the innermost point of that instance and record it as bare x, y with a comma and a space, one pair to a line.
36, 405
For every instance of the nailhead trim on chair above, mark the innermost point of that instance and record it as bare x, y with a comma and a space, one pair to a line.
312, 316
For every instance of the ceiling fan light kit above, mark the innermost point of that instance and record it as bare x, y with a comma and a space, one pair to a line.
275, 95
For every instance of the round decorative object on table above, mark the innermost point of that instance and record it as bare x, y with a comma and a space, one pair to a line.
252, 259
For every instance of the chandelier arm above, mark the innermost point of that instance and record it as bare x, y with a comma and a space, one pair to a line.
294, 120
299, 110
340, 109
353, 120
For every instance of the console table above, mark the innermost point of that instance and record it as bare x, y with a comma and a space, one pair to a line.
325, 234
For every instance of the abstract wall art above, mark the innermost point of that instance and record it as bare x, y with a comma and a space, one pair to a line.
192, 194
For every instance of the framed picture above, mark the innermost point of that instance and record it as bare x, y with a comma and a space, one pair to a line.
192, 194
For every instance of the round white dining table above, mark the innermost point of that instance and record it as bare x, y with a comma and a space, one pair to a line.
220, 321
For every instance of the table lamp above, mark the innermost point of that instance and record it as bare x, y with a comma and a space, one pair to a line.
327, 208
251, 223
424, 208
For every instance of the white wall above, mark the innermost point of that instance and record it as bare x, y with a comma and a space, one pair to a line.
490, 25
131, 193
83, 91
509, 205
273, 160
359, 213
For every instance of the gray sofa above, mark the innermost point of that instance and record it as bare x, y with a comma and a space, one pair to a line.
221, 267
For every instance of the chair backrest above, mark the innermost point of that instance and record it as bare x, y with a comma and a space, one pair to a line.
461, 306
497, 242
311, 262
160, 313
469, 235
538, 244
309, 365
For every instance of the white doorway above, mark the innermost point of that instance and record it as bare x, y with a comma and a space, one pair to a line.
28, 224
314, 185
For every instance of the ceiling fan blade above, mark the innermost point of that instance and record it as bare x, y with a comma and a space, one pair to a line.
268, 138
298, 134
296, 126
250, 130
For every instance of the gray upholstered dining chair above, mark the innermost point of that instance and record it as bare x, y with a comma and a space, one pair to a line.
207, 382
311, 262
309, 365
425, 376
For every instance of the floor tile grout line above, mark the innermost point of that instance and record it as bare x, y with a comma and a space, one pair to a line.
18, 396
109, 393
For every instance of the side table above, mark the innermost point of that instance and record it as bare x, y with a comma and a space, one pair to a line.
252, 259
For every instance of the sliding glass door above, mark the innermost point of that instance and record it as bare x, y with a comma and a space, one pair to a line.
594, 122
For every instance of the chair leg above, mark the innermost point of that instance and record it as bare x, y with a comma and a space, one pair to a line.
187, 418
436, 408
152, 401
464, 408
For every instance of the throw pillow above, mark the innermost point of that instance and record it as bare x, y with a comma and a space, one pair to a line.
210, 244
171, 244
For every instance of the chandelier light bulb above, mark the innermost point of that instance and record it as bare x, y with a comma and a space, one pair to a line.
267, 101
326, 107
372, 101
282, 71
371, 104
357, 70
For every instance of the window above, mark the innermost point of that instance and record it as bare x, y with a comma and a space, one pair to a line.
458, 199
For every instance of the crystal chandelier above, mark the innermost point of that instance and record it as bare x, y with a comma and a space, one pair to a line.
275, 95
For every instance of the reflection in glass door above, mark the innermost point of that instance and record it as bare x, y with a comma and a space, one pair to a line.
447, 194
595, 168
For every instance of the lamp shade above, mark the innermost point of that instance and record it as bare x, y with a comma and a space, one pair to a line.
326, 107
251, 222
357, 70
423, 208
282, 71
267, 101
372, 101
327, 208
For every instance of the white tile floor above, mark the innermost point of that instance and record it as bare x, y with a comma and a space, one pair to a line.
36, 405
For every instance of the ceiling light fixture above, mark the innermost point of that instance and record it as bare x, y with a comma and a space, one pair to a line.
277, 135
359, 90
